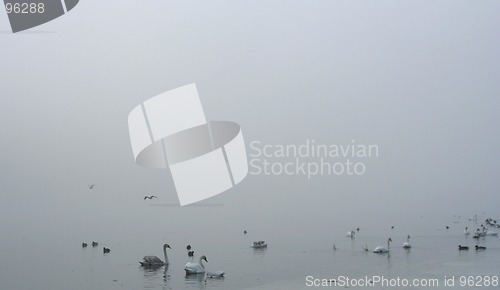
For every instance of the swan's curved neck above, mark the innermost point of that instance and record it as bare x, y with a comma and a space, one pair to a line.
388, 244
165, 253
201, 263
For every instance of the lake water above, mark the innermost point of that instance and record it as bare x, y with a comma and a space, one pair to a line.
44, 251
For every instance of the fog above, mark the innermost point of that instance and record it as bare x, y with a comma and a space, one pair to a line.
417, 78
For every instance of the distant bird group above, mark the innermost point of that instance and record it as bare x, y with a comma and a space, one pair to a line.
95, 244
479, 233
260, 244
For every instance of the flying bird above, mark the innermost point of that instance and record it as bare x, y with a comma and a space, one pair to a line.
149, 197
91, 186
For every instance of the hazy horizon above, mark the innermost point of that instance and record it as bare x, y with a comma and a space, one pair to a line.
417, 78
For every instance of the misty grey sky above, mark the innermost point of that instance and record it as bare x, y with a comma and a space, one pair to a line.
418, 78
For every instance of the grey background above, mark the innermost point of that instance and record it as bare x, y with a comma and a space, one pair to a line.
418, 78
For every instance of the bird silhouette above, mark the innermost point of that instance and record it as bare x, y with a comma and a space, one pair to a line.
91, 186
106, 250
149, 197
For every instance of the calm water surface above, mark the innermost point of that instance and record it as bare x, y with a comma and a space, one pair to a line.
51, 257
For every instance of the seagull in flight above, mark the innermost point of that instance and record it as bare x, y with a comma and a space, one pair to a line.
91, 186
149, 197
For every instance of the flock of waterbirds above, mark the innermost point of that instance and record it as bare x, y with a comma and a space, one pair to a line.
193, 268
96, 244
481, 232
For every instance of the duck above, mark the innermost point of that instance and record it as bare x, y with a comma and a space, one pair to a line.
478, 248
84, 245
462, 248
106, 250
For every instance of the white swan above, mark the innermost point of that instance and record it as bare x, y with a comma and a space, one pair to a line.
406, 244
466, 231
350, 234
195, 268
154, 261
381, 249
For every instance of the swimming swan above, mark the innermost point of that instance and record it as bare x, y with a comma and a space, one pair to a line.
196, 268
154, 261
406, 244
381, 249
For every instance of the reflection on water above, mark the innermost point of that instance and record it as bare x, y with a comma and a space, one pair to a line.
152, 277
195, 281
259, 252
